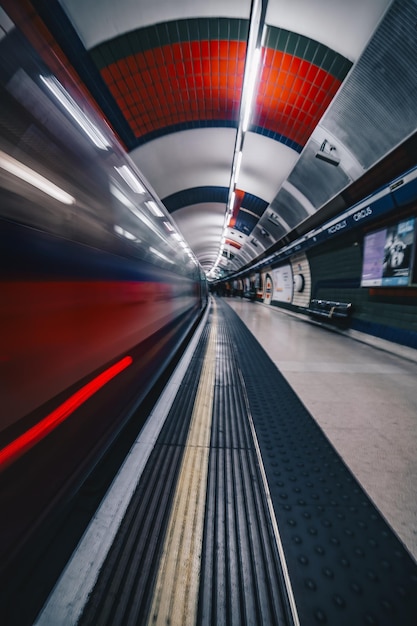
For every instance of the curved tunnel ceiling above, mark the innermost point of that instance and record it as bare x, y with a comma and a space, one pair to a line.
337, 78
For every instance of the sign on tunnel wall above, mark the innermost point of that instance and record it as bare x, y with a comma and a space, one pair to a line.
388, 254
282, 284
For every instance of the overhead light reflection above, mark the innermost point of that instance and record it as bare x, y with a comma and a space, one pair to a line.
129, 205
125, 233
154, 208
252, 63
160, 255
129, 178
11, 165
90, 129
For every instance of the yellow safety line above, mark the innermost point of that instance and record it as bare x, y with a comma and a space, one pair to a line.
175, 598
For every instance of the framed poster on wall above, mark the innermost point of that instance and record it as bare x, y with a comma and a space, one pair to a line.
282, 284
388, 255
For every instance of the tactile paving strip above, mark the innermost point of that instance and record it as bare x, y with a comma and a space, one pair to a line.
347, 566
124, 588
241, 580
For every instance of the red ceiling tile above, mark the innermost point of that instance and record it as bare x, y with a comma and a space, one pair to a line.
205, 49
327, 82
197, 66
223, 67
233, 49
194, 89
283, 61
177, 51
214, 48
268, 55
206, 67
195, 49
158, 56
215, 66
180, 69
187, 53
198, 81
224, 49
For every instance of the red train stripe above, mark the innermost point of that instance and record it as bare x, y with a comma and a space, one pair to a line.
26, 441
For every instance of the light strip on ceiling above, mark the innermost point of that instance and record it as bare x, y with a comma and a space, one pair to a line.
252, 63
250, 89
78, 115
12, 166
238, 164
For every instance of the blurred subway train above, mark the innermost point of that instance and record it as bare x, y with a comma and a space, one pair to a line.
98, 288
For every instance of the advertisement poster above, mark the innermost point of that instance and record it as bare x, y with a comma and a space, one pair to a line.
283, 284
388, 255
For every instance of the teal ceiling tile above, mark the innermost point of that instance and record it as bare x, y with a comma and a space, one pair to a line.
173, 34
302, 45
282, 42
319, 55
183, 30
224, 28
193, 29
203, 28
234, 30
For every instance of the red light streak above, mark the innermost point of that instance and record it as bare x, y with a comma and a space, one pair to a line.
26, 441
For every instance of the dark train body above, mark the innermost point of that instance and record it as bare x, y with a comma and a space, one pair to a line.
97, 288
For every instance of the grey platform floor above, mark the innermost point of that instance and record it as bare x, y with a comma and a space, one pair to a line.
364, 398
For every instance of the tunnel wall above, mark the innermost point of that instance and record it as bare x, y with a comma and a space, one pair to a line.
335, 273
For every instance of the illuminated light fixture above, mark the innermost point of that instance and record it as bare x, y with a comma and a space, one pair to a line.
176, 236
252, 64
28, 175
78, 115
232, 202
129, 178
154, 208
250, 89
169, 227
161, 256
238, 164
36, 433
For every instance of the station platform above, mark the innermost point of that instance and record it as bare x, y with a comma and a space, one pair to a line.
237, 506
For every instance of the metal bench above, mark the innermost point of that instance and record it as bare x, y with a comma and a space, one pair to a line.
330, 310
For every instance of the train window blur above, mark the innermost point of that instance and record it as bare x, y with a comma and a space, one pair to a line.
60, 140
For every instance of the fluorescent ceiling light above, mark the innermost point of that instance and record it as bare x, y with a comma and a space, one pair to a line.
238, 164
33, 178
168, 227
154, 208
69, 104
129, 178
250, 88
232, 202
